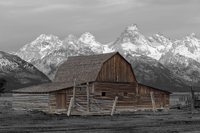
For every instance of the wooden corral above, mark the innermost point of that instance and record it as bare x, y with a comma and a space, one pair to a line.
102, 81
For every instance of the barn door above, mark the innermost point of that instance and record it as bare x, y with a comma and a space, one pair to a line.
61, 101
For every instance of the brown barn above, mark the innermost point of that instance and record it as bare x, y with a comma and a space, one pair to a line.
105, 76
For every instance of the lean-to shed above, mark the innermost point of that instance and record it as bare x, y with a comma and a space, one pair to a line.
108, 75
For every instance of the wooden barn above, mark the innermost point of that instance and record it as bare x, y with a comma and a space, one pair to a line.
94, 83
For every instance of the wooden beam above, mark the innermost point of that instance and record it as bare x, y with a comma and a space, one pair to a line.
153, 103
88, 98
81, 86
74, 93
114, 106
192, 101
70, 106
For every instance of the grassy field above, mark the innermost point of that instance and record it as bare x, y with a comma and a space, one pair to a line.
12, 121
33, 121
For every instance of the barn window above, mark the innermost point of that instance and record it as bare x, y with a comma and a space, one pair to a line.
125, 94
103, 94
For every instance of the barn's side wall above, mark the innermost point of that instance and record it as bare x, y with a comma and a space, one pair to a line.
30, 102
144, 98
124, 92
116, 69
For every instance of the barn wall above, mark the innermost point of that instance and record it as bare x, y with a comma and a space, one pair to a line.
81, 97
116, 69
30, 102
144, 98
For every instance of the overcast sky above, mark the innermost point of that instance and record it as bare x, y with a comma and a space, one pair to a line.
22, 21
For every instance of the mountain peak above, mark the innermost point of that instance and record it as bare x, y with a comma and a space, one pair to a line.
47, 37
87, 37
191, 35
87, 34
132, 27
71, 36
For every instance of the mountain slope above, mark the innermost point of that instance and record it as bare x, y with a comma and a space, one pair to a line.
19, 73
150, 72
183, 59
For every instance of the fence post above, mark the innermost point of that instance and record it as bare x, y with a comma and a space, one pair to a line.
88, 98
192, 101
70, 106
74, 93
114, 106
153, 103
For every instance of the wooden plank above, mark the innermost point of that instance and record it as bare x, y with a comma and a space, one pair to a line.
192, 101
153, 103
88, 98
74, 93
70, 105
114, 106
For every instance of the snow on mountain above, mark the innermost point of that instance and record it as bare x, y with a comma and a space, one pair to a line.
134, 43
188, 47
88, 40
183, 59
39, 48
19, 73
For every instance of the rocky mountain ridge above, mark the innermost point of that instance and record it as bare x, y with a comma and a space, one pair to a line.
180, 57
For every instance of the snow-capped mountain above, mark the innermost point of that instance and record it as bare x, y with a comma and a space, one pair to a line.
39, 48
183, 59
134, 43
19, 73
47, 53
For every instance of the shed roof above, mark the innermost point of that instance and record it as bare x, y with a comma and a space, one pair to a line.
44, 88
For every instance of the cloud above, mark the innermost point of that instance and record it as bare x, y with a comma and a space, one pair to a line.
134, 3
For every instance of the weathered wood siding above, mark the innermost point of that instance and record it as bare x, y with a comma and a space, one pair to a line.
30, 102
61, 99
116, 69
144, 98
125, 93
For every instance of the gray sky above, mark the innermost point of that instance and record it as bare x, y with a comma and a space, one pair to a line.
22, 21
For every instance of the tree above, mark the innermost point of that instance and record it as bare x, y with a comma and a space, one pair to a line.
2, 85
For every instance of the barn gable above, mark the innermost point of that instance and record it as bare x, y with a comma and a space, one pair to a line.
116, 69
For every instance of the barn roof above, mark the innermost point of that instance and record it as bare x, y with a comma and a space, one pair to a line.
45, 88
83, 68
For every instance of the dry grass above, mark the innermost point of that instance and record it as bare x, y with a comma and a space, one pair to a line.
34, 121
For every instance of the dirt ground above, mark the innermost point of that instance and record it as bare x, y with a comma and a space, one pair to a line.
175, 121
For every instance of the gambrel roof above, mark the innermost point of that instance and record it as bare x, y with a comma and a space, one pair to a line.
83, 68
